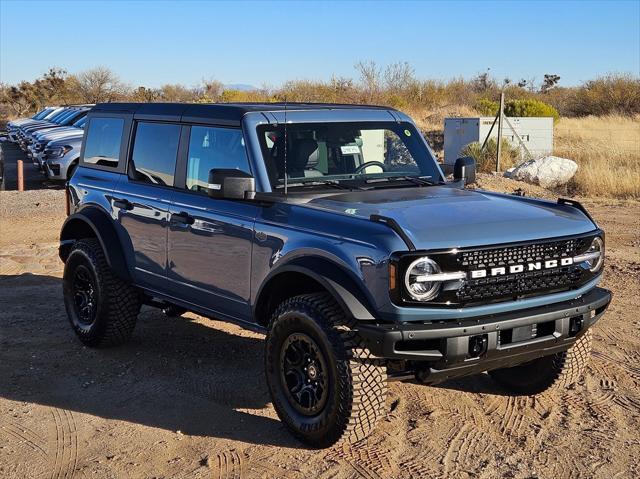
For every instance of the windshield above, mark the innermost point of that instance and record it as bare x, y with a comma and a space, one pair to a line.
338, 153
42, 114
69, 119
58, 116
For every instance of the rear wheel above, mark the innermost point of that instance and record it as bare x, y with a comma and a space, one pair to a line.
558, 371
102, 308
324, 384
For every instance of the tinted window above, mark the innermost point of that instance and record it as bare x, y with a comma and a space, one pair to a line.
155, 148
42, 114
80, 123
104, 137
209, 148
69, 119
58, 115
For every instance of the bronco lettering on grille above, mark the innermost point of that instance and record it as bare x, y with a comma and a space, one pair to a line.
520, 268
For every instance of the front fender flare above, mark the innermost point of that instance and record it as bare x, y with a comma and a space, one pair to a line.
332, 278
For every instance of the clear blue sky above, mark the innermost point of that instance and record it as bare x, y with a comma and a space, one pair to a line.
265, 43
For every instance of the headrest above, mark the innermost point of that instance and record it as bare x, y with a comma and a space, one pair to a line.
303, 149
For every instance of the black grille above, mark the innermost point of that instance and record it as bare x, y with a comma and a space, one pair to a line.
504, 287
523, 284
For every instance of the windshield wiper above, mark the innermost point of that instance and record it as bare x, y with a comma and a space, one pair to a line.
416, 180
332, 183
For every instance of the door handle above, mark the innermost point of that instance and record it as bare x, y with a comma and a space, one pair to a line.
123, 204
182, 218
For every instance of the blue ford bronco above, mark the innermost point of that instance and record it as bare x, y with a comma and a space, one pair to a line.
333, 229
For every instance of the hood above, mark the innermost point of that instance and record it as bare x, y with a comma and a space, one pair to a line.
74, 141
437, 217
60, 133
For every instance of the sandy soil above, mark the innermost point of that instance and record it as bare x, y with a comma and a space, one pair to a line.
187, 397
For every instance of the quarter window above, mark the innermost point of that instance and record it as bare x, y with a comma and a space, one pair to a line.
210, 147
104, 138
155, 148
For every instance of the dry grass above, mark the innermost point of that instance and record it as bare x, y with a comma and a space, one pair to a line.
607, 150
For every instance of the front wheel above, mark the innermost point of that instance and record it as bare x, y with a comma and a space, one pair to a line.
324, 384
558, 371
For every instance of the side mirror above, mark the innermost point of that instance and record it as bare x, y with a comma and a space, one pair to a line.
465, 170
230, 184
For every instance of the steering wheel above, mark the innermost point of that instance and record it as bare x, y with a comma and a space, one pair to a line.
367, 164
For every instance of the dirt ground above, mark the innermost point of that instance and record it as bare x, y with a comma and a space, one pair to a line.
187, 397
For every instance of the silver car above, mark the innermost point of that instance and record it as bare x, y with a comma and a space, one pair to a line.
60, 158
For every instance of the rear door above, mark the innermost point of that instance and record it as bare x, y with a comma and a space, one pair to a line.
142, 197
210, 240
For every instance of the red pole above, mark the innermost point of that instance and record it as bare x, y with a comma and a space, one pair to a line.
20, 176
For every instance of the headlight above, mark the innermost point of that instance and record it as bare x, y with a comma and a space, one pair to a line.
416, 283
58, 151
594, 256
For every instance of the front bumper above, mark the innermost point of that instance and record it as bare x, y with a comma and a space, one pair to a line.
448, 348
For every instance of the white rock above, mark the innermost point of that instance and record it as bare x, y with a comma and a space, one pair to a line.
548, 171
508, 173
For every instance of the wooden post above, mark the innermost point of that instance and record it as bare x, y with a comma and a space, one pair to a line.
500, 113
20, 175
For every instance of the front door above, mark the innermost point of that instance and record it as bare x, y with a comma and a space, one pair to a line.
210, 240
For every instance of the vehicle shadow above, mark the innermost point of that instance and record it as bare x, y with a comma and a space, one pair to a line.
176, 373
33, 178
476, 384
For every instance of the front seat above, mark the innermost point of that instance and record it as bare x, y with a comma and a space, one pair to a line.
304, 159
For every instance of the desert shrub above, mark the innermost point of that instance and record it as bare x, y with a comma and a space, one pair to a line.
611, 94
238, 96
521, 107
487, 107
530, 107
486, 158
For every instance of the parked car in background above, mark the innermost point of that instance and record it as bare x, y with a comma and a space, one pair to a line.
12, 126
60, 158
50, 120
43, 137
71, 117
63, 118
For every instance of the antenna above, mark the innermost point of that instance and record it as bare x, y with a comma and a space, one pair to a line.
286, 175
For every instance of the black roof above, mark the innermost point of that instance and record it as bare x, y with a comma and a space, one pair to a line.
226, 112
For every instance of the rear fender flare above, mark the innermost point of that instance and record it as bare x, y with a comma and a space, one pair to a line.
94, 222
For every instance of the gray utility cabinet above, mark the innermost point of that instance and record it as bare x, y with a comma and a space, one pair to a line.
535, 132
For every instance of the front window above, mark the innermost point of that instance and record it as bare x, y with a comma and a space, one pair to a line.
345, 153
213, 147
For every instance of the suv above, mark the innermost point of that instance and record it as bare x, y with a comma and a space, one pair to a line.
333, 229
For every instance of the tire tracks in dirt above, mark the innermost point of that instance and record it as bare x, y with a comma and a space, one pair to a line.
26, 436
65, 461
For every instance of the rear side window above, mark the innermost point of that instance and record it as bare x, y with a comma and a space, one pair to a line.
210, 147
104, 138
155, 148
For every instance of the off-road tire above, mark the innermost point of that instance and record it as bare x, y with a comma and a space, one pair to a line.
357, 382
558, 371
117, 303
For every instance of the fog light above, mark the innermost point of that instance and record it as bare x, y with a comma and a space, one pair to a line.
477, 346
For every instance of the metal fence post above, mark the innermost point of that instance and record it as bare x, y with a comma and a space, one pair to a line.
20, 175
499, 147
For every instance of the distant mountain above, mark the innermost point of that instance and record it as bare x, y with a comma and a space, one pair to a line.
239, 86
